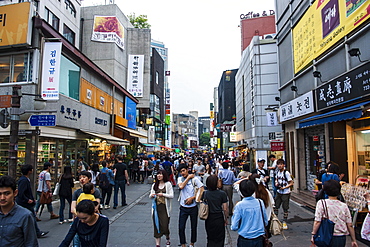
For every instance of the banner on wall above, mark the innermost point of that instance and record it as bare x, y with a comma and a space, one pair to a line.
130, 113
15, 24
324, 24
135, 74
52, 54
108, 29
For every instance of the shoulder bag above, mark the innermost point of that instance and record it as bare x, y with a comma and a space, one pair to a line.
266, 241
276, 227
203, 208
45, 197
57, 187
324, 234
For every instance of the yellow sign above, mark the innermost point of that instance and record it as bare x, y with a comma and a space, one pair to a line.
323, 25
212, 115
14, 24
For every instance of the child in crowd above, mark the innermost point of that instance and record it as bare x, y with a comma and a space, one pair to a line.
88, 193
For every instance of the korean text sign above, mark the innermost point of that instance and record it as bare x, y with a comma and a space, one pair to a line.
135, 74
15, 25
51, 70
300, 106
323, 25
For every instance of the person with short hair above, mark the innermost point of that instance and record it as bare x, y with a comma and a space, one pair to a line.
17, 224
45, 186
260, 170
228, 179
92, 228
249, 217
273, 169
65, 193
88, 193
121, 179
106, 189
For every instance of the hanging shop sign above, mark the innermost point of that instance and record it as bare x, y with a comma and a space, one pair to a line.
135, 75
130, 113
323, 25
226, 127
300, 106
151, 134
233, 137
271, 119
108, 29
277, 146
50, 70
347, 87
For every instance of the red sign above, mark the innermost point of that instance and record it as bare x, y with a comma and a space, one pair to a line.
277, 146
315, 138
211, 134
5, 101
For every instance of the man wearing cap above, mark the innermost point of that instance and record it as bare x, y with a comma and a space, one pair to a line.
260, 170
45, 186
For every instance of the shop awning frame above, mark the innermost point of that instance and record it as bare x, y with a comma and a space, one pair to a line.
165, 147
132, 132
109, 138
347, 113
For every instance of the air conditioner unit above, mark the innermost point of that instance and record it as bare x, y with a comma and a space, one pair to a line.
269, 36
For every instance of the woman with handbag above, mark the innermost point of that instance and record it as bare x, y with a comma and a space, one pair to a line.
162, 193
337, 212
217, 213
65, 193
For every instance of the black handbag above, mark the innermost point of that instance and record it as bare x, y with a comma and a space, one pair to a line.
324, 234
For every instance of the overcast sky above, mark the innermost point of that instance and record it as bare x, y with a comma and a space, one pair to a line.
203, 40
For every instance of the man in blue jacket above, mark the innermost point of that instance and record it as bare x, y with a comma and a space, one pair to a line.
25, 197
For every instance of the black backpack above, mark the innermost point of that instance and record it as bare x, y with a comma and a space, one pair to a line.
103, 181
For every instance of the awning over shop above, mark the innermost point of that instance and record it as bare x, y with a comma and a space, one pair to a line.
132, 132
149, 145
165, 147
110, 139
350, 112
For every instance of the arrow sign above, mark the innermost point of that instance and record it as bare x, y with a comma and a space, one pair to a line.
42, 120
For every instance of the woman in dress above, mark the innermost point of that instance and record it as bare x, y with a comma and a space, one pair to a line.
162, 191
338, 212
218, 213
65, 193
91, 228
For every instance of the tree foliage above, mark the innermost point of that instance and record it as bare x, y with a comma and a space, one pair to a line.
204, 139
140, 21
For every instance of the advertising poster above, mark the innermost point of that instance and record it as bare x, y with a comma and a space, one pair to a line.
108, 29
151, 134
50, 70
14, 24
131, 113
135, 74
323, 25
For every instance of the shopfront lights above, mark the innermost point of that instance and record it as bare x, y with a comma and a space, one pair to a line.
365, 131
355, 52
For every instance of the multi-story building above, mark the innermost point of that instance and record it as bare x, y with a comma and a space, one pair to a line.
323, 58
184, 130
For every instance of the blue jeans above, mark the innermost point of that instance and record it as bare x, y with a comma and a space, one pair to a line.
183, 217
50, 207
254, 242
38, 232
338, 241
274, 189
119, 184
63, 205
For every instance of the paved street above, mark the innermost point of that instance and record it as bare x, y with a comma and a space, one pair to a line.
132, 225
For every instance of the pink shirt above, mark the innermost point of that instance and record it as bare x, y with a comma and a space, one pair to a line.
338, 213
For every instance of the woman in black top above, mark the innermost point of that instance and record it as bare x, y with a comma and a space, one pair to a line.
65, 193
91, 228
218, 212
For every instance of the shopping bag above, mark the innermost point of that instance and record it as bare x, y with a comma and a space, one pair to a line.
324, 234
56, 190
203, 208
276, 227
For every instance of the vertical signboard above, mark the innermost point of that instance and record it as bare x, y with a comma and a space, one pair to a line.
271, 119
130, 113
151, 134
135, 74
50, 70
108, 29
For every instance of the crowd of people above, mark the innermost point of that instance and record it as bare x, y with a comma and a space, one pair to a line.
211, 179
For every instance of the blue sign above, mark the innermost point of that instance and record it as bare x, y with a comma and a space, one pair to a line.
131, 113
42, 120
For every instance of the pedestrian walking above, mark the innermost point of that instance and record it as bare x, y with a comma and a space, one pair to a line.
228, 179
249, 217
188, 184
82, 165
273, 169
218, 213
120, 181
65, 194
142, 169
337, 212
25, 197
135, 169
45, 186
169, 167
92, 228
17, 224
106, 183
95, 174
260, 170
283, 182
162, 193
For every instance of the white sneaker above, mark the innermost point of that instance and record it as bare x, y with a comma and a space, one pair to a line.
70, 220
285, 226
106, 207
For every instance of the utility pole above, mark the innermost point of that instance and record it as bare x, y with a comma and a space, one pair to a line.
14, 129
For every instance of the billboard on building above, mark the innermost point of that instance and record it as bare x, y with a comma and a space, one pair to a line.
108, 29
323, 25
135, 75
15, 24
52, 54
131, 113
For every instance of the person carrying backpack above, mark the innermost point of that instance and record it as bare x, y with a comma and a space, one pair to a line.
106, 183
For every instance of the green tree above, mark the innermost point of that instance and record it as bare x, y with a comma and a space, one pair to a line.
204, 139
140, 21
